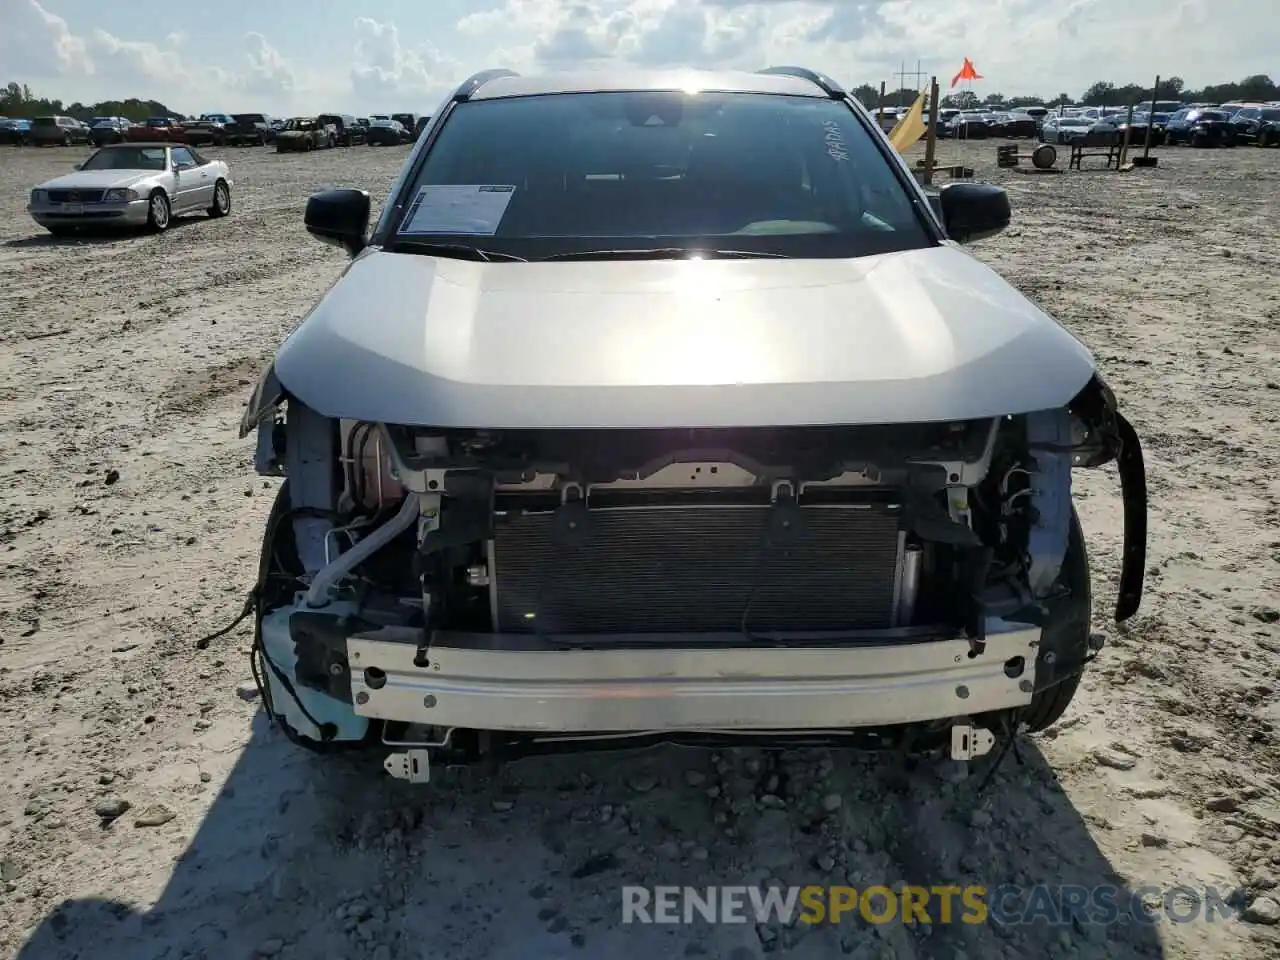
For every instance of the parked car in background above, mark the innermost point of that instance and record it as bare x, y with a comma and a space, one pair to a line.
1135, 128
156, 128
1200, 128
423, 123
57, 131
1019, 126
133, 184
385, 132
306, 133
202, 132
407, 120
1064, 129
1233, 108
15, 131
885, 117
250, 130
968, 125
106, 130
225, 119
1258, 125
349, 131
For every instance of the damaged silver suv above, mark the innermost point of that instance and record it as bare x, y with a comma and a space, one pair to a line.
668, 407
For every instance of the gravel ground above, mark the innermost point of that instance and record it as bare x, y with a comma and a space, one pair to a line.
151, 812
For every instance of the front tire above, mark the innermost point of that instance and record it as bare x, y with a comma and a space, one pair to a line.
221, 200
159, 213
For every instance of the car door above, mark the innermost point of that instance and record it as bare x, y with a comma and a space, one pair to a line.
194, 182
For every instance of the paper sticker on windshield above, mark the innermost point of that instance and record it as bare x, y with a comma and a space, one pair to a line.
476, 210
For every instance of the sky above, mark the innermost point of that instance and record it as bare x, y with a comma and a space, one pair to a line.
378, 56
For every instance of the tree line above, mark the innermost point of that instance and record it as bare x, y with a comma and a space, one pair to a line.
1100, 94
17, 100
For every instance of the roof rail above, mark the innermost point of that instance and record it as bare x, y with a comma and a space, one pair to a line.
478, 80
829, 86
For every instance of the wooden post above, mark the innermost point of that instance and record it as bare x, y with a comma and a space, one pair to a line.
1124, 146
931, 143
1155, 95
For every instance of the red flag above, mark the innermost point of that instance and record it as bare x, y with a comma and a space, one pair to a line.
967, 72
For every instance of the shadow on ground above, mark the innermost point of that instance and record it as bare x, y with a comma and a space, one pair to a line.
311, 857
95, 235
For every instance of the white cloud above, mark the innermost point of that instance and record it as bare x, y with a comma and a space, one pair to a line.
1021, 46
32, 40
267, 72
386, 70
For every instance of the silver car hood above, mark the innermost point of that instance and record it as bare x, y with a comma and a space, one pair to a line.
925, 335
98, 179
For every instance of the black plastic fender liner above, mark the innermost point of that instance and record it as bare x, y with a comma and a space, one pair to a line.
1133, 487
1109, 436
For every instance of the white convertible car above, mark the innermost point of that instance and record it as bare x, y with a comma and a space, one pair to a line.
688, 420
133, 185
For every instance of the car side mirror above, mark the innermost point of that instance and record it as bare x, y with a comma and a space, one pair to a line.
973, 211
340, 217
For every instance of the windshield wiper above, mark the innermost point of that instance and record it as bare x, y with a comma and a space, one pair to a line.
445, 248
666, 253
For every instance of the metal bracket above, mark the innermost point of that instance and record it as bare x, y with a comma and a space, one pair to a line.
411, 765
968, 742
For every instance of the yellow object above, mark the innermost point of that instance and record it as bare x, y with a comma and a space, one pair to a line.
910, 128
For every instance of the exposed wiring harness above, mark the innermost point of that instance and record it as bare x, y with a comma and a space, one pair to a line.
260, 661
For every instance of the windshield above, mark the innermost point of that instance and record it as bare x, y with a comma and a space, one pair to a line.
126, 158
300, 125
780, 175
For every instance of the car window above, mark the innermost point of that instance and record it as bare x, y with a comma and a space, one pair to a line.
182, 157
126, 158
795, 176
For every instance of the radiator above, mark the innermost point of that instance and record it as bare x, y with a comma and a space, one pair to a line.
697, 569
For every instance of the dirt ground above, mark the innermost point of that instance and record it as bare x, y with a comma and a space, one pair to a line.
129, 526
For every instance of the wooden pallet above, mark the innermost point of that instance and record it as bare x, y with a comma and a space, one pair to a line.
955, 171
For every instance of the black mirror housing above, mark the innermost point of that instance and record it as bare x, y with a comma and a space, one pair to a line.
973, 211
340, 217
